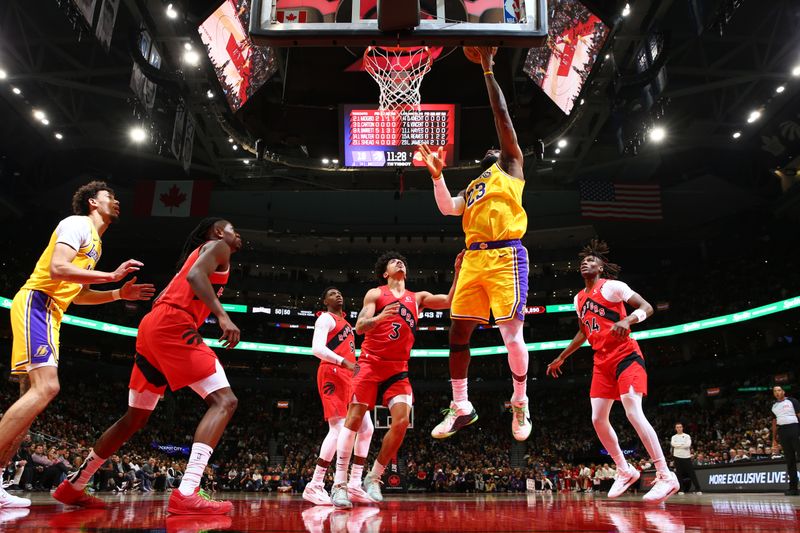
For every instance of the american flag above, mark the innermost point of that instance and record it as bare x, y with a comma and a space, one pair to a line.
621, 201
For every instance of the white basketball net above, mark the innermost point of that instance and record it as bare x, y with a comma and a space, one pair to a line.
399, 73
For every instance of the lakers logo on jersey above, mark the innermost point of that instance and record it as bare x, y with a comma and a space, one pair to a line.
42, 350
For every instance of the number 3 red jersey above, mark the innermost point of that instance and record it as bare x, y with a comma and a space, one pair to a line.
179, 293
392, 339
597, 315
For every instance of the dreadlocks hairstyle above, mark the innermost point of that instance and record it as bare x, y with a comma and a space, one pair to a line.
325, 295
80, 200
380, 265
599, 249
198, 236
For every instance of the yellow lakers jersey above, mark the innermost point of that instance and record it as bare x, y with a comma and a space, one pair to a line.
63, 292
494, 207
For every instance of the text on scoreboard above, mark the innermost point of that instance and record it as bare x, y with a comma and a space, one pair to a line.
374, 138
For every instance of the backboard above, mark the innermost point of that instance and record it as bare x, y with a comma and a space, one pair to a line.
510, 23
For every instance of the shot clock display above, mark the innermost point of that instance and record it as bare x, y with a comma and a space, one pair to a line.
372, 138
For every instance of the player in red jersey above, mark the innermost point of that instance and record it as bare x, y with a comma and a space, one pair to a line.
169, 350
334, 345
388, 321
619, 370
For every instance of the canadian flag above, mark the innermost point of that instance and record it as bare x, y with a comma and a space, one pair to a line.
292, 15
181, 198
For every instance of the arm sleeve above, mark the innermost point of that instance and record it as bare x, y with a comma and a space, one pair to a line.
616, 291
74, 232
448, 205
322, 327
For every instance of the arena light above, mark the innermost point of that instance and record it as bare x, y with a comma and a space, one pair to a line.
658, 134
235, 147
230, 140
325, 160
753, 116
209, 94
58, 136
562, 143
39, 114
796, 71
780, 88
680, 329
557, 151
736, 134
45, 122
16, 90
626, 10
171, 13
137, 134
191, 57
335, 161
3, 74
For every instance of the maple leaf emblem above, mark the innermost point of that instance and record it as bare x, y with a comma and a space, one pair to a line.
290, 17
173, 198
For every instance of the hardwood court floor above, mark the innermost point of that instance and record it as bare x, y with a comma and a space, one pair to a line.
430, 513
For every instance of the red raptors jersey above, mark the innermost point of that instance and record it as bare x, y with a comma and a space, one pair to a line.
179, 293
341, 340
391, 340
597, 315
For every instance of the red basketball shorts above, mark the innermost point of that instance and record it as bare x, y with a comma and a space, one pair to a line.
170, 351
335, 389
377, 381
611, 379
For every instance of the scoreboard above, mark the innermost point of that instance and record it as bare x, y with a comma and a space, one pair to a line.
374, 138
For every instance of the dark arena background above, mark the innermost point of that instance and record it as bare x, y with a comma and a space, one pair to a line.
669, 129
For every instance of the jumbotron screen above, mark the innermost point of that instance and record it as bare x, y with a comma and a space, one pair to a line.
372, 138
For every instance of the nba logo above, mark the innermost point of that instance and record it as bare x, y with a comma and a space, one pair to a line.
511, 9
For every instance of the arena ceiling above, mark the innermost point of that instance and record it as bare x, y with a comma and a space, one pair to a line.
711, 81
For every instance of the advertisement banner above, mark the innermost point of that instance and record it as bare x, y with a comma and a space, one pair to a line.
763, 476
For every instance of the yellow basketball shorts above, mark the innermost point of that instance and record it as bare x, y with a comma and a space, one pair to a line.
493, 277
35, 325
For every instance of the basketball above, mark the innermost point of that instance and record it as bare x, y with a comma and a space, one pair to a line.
473, 55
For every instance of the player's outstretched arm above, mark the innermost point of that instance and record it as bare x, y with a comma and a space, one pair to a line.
448, 205
366, 317
131, 291
554, 368
62, 269
511, 156
426, 300
212, 256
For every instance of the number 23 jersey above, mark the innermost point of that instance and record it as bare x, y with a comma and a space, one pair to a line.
494, 209
392, 339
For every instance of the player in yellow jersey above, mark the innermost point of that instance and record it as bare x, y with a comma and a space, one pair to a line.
494, 274
62, 275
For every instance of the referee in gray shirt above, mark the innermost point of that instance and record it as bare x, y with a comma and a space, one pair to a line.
786, 429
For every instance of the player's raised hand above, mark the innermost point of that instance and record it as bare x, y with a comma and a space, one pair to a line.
230, 333
131, 265
487, 56
554, 368
433, 160
389, 311
136, 291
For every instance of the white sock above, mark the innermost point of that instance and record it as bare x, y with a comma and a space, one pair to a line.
198, 459
319, 475
520, 390
459, 390
91, 465
377, 470
356, 472
344, 449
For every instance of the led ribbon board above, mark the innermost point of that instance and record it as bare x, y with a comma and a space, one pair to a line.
680, 329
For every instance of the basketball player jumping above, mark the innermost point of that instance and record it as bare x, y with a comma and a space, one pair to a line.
495, 272
63, 274
388, 321
334, 345
619, 371
169, 350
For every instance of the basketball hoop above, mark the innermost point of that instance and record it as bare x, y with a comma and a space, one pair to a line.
398, 72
